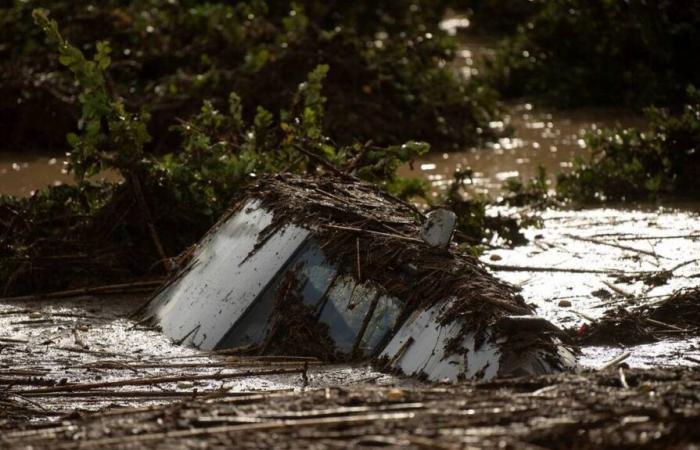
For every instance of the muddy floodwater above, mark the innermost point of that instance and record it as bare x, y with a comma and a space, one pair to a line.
80, 371
577, 265
605, 241
85, 353
608, 241
534, 138
580, 264
21, 174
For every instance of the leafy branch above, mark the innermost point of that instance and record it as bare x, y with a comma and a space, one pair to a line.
110, 137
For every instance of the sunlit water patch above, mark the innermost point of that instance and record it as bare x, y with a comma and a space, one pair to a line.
551, 140
21, 174
578, 265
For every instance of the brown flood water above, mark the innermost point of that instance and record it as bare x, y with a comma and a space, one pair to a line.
648, 238
539, 137
551, 139
21, 174
628, 239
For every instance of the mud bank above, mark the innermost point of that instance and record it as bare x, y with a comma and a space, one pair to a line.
614, 409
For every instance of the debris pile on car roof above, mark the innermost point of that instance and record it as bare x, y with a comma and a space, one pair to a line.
351, 258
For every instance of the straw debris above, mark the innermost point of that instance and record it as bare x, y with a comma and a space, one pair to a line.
676, 316
340, 209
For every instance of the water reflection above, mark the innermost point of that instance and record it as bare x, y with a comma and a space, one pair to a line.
539, 138
551, 139
22, 174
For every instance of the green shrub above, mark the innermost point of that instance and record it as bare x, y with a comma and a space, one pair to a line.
629, 164
389, 81
474, 226
165, 202
534, 191
601, 52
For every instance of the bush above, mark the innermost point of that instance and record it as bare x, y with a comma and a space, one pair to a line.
474, 226
165, 202
533, 192
389, 81
629, 164
498, 17
599, 52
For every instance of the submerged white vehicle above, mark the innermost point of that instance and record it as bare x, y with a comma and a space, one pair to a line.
335, 268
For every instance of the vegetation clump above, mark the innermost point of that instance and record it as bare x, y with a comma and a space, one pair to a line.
474, 226
534, 192
497, 18
630, 164
680, 312
101, 231
390, 78
597, 52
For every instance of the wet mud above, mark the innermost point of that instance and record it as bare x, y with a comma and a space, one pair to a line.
616, 408
70, 356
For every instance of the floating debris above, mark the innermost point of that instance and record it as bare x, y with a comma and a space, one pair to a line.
624, 408
337, 269
675, 316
